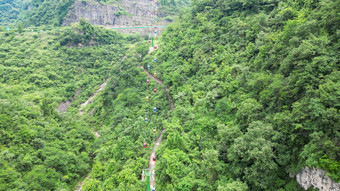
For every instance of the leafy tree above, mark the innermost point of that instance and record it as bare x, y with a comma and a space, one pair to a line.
254, 154
20, 28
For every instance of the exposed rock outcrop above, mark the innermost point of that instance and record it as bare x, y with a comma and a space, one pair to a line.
317, 178
129, 13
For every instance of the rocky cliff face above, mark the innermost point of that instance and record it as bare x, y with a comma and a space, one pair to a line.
317, 178
135, 13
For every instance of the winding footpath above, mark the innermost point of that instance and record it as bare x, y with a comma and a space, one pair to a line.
152, 164
81, 111
90, 99
172, 105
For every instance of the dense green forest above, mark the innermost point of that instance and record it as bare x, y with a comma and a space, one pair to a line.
255, 85
256, 89
120, 112
41, 149
34, 12
40, 12
10, 10
170, 8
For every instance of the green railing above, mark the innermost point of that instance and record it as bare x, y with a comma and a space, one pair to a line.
143, 27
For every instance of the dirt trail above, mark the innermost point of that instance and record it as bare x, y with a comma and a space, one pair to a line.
151, 76
64, 105
80, 185
152, 164
90, 99
172, 105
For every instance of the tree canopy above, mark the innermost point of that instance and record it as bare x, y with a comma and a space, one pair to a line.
255, 86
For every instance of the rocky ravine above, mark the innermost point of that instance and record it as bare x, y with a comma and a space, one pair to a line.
138, 14
317, 178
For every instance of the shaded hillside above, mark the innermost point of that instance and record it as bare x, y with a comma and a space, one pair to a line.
9, 11
38, 13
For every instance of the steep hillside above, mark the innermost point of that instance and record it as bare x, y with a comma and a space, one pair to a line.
118, 15
38, 13
255, 85
119, 111
256, 88
41, 149
9, 11
110, 13
124, 13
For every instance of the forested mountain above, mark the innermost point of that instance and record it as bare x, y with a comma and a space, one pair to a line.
41, 149
255, 86
9, 11
33, 12
172, 7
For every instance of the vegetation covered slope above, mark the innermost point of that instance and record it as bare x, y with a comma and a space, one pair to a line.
34, 13
256, 88
41, 149
52, 12
119, 112
172, 7
9, 11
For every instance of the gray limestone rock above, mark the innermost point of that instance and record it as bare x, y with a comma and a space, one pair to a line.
317, 178
137, 13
